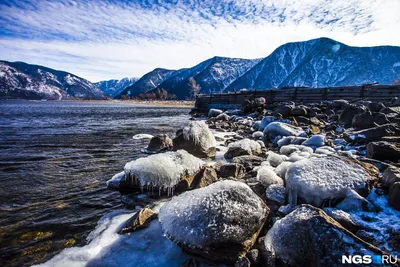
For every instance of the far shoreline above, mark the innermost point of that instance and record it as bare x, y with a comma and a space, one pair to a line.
156, 103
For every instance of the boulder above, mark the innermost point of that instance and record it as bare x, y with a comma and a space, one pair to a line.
376, 106
315, 141
394, 195
276, 193
160, 143
383, 151
249, 162
309, 237
206, 222
257, 135
223, 117
315, 180
298, 111
369, 119
282, 168
231, 170
340, 103
345, 219
214, 112
371, 134
243, 147
140, 220
275, 129
290, 149
284, 109
197, 139
348, 113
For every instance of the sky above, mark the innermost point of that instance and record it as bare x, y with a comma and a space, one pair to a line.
101, 40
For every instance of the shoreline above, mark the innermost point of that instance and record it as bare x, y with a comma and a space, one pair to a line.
156, 103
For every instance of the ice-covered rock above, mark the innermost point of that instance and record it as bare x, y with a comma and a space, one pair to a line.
317, 179
296, 156
257, 135
353, 201
315, 141
276, 193
275, 129
282, 168
265, 121
274, 159
197, 139
219, 222
214, 112
162, 171
223, 117
243, 147
309, 237
289, 149
286, 140
266, 176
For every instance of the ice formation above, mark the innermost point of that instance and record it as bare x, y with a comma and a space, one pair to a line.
266, 176
275, 129
257, 135
200, 134
221, 213
318, 179
108, 248
142, 136
163, 171
276, 193
327, 150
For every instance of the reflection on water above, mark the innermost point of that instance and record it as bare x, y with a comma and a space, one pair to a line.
54, 160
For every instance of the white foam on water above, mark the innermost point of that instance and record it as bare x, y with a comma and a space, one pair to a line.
142, 136
146, 247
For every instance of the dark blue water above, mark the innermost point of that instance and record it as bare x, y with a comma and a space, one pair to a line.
54, 160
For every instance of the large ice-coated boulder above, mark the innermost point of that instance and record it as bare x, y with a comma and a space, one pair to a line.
243, 147
314, 180
309, 237
220, 222
162, 171
275, 129
197, 139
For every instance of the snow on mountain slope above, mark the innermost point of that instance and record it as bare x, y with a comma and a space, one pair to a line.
322, 62
212, 75
113, 88
22, 80
148, 82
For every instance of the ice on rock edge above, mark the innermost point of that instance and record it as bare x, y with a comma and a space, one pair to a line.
163, 171
318, 179
200, 134
114, 182
209, 215
251, 146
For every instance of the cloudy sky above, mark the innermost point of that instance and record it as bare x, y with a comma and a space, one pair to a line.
99, 39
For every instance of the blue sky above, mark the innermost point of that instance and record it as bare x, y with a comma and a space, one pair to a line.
100, 40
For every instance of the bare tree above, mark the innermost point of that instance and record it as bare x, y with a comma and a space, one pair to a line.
194, 87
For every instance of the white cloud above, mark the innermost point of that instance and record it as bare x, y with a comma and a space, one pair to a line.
102, 40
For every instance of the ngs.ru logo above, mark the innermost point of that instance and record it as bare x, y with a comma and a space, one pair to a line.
368, 259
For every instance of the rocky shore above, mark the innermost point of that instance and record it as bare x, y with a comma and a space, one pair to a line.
287, 184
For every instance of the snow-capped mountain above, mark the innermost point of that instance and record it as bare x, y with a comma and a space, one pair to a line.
148, 82
211, 76
322, 62
26, 81
113, 88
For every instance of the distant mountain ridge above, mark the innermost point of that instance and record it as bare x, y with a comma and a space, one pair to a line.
322, 62
26, 81
114, 87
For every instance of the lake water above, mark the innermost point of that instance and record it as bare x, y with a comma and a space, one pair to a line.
54, 160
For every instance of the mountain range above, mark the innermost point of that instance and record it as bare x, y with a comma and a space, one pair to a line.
26, 81
114, 87
315, 63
